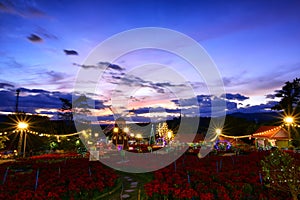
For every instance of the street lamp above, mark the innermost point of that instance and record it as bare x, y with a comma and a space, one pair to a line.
116, 129
126, 130
289, 120
22, 126
218, 131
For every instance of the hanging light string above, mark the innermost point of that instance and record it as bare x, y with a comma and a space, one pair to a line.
83, 132
44, 134
235, 137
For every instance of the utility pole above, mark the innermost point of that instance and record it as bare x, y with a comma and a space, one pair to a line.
17, 100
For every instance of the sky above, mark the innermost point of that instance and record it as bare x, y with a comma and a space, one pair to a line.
44, 45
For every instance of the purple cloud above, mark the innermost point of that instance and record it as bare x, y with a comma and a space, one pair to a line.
34, 38
237, 96
71, 52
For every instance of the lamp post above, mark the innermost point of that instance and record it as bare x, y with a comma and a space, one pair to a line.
218, 131
289, 120
22, 126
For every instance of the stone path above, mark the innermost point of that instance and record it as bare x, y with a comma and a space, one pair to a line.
129, 191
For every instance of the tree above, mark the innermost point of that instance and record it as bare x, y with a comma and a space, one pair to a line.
282, 172
290, 97
2, 140
66, 110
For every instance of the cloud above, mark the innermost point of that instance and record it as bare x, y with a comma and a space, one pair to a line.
33, 91
101, 65
258, 108
263, 82
38, 101
270, 96
237, 96
111, 66
6, 85
34, 38
36, 12
71, 52
153, 110
45, 33
55, 76
26, 9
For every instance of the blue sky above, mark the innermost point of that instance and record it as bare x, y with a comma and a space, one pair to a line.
255, 45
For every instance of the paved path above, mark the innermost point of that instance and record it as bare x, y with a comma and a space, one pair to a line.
130, 189
6, 160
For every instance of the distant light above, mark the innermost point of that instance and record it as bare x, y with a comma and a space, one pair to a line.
218, 131
169, 135
22, 125
126, 130
131, 134
116, 129
289, 120
138, 136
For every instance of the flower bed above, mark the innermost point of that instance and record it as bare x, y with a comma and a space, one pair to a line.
213, 177
57, 179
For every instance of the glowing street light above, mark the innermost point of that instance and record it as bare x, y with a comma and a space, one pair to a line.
218, 131
289, 120
116, 129
22, 126
126, 130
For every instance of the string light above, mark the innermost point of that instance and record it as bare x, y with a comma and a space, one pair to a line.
78, 133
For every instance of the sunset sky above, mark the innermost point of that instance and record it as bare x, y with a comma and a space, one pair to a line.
43, 44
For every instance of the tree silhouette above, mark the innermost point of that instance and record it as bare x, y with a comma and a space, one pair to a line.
65, 113
290, 97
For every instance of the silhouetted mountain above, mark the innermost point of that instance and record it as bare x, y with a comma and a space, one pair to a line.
258, 117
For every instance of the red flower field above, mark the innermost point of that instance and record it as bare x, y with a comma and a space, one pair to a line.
213, 177
57, 179
66, 176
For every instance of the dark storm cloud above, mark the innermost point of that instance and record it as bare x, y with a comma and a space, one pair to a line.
34, 38
237, 96
71, 52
